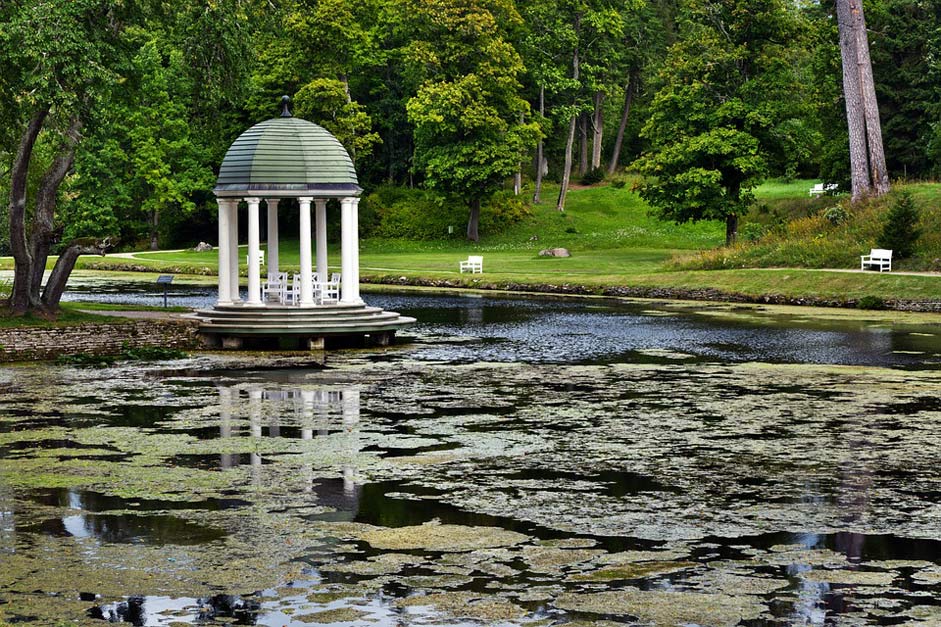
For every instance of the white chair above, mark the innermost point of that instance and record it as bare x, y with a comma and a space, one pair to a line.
292, 290
330, 291
276, 284
474, 264
878, 259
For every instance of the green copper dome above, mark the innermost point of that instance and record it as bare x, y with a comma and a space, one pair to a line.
288, 155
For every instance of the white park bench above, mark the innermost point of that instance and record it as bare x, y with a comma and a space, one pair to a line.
261, 257
877, 259
474, 263
820, 189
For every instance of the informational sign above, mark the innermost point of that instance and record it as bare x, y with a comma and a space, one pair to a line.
165, 280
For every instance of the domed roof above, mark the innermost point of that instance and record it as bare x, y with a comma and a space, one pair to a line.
290, 156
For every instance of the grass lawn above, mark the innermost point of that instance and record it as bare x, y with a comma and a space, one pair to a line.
71, 314
614, 242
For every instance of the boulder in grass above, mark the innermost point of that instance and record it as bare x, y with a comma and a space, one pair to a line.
203, 247
555, 252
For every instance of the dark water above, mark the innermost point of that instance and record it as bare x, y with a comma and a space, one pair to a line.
547, 330
641, 435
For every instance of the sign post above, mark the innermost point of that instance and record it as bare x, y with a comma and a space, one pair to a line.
165, 280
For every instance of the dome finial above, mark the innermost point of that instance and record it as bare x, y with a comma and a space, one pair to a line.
286, 106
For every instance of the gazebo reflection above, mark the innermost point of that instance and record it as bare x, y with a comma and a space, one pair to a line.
296, 411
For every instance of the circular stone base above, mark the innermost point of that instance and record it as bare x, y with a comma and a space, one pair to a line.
340, 320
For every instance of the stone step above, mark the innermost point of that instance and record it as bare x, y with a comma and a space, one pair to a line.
288, 311
305, 329
274, 320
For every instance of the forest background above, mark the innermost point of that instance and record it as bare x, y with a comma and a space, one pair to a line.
448, 107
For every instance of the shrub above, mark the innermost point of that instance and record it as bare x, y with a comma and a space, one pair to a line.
836, 215
592, 176
870, 302
900, 229
751, 232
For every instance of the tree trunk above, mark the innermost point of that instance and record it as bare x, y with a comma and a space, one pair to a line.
154, 236
877, 168
539, 146
570, 141
59, 277
731, 228
43, 234
19, 175
855, 114
582, 143
473, 221
597, 124
629, 89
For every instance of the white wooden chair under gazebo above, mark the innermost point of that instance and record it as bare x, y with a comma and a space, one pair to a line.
278, 159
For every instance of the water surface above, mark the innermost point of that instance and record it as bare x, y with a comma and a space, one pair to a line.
519, 461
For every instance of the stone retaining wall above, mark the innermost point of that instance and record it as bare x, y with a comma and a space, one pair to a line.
36, 343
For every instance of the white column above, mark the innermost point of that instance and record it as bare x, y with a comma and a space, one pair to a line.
349, 238
307, 280
356, 250
225, 284
273, 236
320, 215
233, 207
254, 263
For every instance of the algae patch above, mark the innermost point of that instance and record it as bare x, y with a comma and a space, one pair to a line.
436, 537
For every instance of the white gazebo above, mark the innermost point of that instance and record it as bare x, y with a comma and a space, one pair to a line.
278, 159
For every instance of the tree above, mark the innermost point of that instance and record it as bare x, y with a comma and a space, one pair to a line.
729, 109
146, 162
905, 38
900, 230
328, 102
868, 171
57, 58
466, 111
123, 72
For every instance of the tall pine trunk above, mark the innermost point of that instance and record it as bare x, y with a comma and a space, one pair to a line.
597, 123
629, 89
877, 168
570, 141
539, 146
852, 94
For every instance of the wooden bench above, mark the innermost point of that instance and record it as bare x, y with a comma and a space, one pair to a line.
474, 264
820, 189
877, 259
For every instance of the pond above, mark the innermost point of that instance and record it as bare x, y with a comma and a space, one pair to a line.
513, 462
